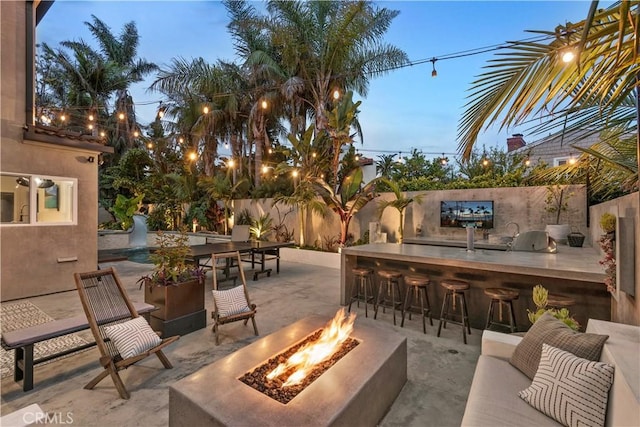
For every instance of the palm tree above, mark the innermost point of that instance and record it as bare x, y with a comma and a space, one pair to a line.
400, 203
307, 158
386, 165
596, 91
332, 45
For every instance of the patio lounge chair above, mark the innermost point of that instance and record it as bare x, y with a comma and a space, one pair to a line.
122, 336
231, 305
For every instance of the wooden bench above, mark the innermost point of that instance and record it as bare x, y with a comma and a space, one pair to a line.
22, 341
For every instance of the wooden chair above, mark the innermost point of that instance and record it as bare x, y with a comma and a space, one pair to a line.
105, 303
233, 309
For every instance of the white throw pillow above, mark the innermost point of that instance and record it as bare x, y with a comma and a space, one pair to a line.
231, 301
132, 337
569, 389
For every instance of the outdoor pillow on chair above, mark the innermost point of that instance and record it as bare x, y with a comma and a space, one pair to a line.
231, 301
132, 337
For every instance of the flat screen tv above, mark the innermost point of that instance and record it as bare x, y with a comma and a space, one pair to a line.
454, 213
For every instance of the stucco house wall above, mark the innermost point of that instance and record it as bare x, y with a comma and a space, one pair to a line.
31, 255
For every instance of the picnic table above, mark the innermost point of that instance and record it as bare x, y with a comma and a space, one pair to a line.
260, 253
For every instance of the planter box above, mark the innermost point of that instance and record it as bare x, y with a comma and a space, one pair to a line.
180, 308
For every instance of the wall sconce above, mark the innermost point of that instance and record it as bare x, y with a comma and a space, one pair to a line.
91, 159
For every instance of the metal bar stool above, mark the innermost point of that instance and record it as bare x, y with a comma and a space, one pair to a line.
417, 284
362, 279
501, 296
455, 288
390, 278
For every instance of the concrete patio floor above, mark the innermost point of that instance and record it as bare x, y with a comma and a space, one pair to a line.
440, 370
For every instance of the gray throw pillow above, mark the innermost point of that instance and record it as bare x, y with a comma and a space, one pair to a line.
551, 331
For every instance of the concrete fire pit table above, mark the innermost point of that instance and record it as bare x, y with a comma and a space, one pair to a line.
358, 390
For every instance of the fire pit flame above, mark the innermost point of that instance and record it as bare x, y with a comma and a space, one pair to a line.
314, 353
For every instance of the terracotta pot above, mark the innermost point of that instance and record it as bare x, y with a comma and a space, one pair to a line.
175, 301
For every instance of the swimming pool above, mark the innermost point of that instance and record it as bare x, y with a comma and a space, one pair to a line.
139, 255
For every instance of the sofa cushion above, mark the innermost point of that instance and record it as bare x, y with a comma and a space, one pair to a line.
569, 389
549, 330
493, 399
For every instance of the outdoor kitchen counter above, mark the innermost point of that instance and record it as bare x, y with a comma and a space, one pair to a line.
571, 271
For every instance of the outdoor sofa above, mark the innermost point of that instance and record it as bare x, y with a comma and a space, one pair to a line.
494, 396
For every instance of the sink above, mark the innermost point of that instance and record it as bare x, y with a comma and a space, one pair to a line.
534, 241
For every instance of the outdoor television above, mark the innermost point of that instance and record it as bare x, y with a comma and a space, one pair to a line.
478, 213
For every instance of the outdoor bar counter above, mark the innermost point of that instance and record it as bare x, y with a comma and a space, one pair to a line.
573, 272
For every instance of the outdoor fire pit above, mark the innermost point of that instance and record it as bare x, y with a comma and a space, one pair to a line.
356, 389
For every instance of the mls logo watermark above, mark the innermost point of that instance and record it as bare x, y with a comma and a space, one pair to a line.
43, 418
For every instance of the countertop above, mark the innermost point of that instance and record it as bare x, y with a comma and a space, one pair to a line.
478, 244
568, 263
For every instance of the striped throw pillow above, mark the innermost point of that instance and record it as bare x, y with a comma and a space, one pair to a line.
132, 337
571, 390
231, 301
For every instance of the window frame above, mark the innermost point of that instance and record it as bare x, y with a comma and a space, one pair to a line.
33, 200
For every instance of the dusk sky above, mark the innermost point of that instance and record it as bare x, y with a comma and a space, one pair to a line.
403, 110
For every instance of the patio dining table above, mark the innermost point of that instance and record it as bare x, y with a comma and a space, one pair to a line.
260, 252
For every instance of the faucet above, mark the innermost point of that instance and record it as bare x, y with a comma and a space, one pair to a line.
517, 228
22, 215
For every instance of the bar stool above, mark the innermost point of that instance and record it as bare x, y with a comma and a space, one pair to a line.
417, 284
362, 279
455, 288
501, 296
559, 301
390, 278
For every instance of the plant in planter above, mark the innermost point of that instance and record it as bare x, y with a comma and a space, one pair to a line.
540, 296
556, 203
175, 287
607, 244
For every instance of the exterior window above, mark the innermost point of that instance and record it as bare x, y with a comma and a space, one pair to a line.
559, 161
38, 200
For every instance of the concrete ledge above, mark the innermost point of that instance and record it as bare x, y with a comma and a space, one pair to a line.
358, 390
305, 256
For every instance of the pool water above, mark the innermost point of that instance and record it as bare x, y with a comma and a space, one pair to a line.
139, 255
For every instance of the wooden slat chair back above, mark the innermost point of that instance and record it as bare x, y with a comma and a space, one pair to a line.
105, 302
221, 320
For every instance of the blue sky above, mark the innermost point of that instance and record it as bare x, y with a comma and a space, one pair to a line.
403, 110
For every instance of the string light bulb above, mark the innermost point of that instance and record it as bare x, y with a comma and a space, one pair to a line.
90, 126
205, 110
270, 150
527, 162
121, 116
181, 140
136, 134
265, 169
231, 163
485, 162
193, 155
102, 134
150, 145
572, 160
434, 73
91, 117
568, 56
264, 104
63, 117
295, 173
336, 94
357, 157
